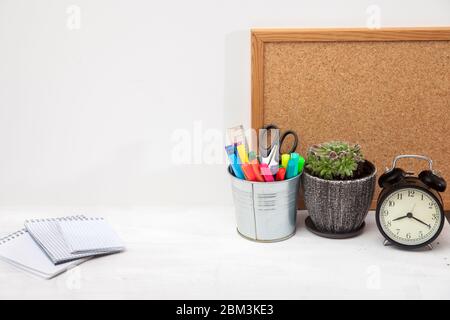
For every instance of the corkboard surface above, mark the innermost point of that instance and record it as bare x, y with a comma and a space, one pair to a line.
391, 97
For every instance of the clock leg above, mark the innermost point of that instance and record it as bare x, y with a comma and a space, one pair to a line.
386, 243
430, 246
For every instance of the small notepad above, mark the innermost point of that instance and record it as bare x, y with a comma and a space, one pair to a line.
88, 235
21, 251
48, 235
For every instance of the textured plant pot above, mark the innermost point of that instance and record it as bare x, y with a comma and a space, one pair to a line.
339, 206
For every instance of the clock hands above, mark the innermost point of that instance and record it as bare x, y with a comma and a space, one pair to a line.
411, 216
422, 222
418, 220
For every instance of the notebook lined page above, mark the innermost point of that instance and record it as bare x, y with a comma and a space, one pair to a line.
90, 234
47, 234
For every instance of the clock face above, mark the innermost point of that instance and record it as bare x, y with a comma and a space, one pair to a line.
410, 217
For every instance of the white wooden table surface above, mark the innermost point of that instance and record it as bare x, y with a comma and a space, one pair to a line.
195, 253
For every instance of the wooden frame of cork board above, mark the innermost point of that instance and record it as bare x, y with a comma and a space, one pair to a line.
386, 89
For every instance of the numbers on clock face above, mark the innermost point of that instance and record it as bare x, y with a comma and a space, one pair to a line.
410, 216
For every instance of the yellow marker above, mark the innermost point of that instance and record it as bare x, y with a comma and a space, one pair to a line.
285, 160
242, 153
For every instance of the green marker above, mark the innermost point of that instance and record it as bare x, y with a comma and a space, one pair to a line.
301, 165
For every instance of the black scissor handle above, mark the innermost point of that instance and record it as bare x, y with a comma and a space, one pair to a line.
287, 134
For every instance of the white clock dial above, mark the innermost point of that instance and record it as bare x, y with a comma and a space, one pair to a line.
410, 216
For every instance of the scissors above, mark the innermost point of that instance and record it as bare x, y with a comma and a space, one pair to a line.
271, 154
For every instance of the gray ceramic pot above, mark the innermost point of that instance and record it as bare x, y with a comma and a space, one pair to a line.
339, 206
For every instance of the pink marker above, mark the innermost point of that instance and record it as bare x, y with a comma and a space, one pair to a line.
266, 173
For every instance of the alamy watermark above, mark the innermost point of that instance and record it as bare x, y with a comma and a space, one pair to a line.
74, 279
73, 21
373, 280
207, 146
374, 17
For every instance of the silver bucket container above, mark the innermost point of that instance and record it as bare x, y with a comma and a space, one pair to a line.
265, 212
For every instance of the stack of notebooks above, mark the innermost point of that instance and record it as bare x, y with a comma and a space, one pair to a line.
48, 247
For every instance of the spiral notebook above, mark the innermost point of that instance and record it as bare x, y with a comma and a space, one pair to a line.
90, 235
21, 251
72, 238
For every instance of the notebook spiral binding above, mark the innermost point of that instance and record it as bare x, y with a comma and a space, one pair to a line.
73, 218
12, 236
21, 232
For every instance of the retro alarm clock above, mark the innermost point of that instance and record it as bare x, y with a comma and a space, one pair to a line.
410, 212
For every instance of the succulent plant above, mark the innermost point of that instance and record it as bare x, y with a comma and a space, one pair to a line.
335, 160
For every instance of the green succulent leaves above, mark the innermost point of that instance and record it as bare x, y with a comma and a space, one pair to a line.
334, 160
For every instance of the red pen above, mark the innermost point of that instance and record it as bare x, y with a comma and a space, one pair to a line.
255, 165
266, 173
248, 172
281, 175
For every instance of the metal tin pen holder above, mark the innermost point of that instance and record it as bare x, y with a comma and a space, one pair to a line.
265, 211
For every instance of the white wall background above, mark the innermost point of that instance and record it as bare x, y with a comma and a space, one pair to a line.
86, 115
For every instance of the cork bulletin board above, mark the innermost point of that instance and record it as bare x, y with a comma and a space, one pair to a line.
387, 89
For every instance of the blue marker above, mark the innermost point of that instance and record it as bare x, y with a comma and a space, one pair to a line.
234, 161
292, 168
295, 155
